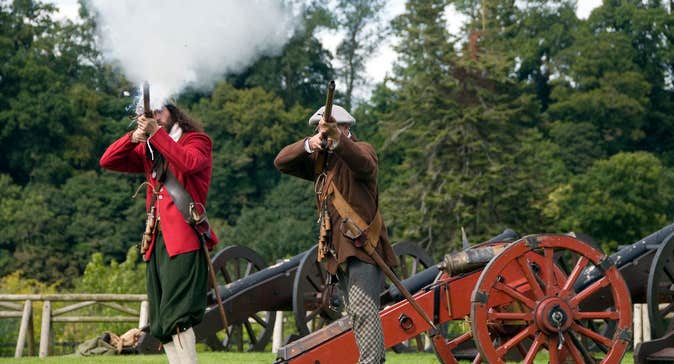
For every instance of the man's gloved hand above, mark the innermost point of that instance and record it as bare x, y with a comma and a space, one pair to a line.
149, 125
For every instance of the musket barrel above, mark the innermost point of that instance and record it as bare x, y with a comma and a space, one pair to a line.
147, 109
327, 111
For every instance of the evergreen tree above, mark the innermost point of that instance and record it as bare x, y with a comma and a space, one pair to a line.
361, 39
455, 122
248, 128
617, 200
299, 74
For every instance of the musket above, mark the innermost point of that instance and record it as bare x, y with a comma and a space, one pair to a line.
327, 112
147, 111
321, 168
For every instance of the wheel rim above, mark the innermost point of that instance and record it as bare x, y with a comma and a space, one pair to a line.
253, 334
311, 308
552, 312
660, 291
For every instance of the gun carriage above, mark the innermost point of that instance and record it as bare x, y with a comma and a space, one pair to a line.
252, 293
542, 295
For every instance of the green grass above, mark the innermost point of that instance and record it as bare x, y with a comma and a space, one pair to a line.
204, 358
225, 357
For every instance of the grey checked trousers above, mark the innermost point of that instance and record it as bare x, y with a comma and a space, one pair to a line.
363, 284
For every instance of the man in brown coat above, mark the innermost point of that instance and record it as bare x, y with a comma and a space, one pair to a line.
345, 174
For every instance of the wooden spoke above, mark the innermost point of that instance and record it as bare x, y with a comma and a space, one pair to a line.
548, 274
592, 335
575, 273
601, 315
533, 350
590, 290
514, 294
510, 316
529, 275
503, 349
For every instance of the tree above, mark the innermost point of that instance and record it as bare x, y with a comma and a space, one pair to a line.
602, 86
300, 73
617, 201
614, 74
248, 128
52, 107
454, 123
361, 39
282, 225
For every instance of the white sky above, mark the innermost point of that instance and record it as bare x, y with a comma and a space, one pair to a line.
382, 60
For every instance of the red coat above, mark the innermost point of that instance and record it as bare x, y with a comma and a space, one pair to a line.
190, 161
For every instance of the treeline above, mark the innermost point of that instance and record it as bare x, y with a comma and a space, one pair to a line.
530, 118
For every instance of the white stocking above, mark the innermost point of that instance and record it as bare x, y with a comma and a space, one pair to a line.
185, 344
171, 353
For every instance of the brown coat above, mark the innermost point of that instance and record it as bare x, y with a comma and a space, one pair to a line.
356, 179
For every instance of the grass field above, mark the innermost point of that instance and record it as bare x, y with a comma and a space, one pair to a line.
229, 358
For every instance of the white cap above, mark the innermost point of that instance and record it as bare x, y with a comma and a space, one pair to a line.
339, 113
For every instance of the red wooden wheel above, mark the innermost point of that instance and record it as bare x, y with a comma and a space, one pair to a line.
523, 291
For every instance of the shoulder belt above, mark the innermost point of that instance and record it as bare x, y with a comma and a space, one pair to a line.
346, 212
187, 207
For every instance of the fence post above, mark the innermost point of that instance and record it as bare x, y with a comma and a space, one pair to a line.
645, 323
143, 314
44, 333
26, 319
277, 335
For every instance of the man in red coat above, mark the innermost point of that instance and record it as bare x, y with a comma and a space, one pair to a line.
177, 273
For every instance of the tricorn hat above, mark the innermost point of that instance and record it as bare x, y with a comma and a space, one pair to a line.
339, 113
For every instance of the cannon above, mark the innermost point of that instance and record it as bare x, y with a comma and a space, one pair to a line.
551, 294
252, 292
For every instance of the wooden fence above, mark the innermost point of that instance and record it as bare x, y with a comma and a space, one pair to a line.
78, 301
26, 333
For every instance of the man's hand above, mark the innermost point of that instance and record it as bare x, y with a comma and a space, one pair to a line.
315, 143
138, 136
149, 125
329, 128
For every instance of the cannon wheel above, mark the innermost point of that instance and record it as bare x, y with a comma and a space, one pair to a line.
312, 312
412, 259
230, 264
660, 291
550, 314
311, 308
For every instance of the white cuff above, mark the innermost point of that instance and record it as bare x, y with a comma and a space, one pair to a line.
306, 146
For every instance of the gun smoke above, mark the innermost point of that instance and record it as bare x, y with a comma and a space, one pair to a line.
176, 44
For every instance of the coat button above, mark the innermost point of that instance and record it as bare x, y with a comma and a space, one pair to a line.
160, 197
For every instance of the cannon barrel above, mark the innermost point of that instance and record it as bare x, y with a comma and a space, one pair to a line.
477, 256
469, 259
265, 298
459, 262
624, 256
506, 235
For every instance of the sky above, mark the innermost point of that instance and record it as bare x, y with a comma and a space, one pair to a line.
381, 62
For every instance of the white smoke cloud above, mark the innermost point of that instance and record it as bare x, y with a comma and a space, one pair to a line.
176, 43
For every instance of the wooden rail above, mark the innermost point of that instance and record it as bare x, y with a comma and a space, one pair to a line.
49, 316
